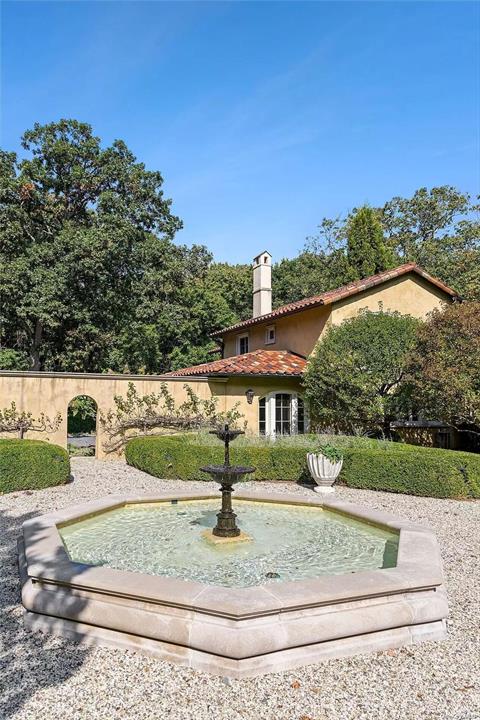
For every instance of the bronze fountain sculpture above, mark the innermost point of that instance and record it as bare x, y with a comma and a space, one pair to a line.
227, 475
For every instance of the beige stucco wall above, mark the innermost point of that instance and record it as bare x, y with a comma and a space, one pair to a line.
297, 333
409, 295
51, 393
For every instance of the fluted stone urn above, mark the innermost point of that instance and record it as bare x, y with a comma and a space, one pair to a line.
323, 471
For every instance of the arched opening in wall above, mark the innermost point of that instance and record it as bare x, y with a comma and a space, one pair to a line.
82, 426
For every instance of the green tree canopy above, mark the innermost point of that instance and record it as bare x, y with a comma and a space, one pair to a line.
367, 253
91, 279
89, 276
352, 379
443, 372
438, 228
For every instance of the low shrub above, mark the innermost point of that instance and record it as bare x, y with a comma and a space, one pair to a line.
31, 465
429, 472
179, 457
392, 467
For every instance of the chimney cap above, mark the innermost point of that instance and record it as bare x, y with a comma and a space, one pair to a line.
257, 257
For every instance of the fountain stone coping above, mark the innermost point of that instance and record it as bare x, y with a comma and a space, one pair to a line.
238, 632
418, 563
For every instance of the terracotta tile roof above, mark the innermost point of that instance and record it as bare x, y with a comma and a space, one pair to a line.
257, 362
327, 298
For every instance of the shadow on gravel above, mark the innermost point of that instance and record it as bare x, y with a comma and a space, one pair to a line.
29, 661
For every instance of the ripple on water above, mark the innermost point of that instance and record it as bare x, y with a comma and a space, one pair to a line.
289, 542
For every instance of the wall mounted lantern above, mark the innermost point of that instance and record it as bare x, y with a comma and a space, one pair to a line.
249, 395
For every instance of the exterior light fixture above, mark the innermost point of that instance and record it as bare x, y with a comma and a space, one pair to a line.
249, 395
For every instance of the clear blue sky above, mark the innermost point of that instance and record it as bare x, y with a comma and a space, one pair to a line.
262, 117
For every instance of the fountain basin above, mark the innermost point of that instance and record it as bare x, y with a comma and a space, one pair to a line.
237, 630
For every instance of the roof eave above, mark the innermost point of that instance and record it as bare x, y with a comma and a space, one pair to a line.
265, 318
221, 376
409, 268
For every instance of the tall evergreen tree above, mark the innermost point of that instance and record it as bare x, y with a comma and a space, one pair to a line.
367, 252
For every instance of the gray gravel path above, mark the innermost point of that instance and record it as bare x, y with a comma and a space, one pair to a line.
46, 677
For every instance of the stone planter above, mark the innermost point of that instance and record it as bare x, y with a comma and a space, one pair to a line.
323, 471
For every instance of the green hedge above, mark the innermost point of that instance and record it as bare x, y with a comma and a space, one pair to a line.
428, 472
32, 464
178, 458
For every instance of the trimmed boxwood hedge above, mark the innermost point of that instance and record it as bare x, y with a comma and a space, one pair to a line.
32, 464
176, 457
428, 472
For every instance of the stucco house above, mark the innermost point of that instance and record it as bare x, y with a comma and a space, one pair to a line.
263, 357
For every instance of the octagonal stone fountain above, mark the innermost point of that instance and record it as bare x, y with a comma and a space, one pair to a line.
317, 579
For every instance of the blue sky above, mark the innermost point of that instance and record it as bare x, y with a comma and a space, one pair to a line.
263, 117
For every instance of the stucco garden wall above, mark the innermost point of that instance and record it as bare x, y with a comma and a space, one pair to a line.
51, 393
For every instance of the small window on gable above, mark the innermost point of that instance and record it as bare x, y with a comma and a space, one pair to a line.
270, 335
242, 344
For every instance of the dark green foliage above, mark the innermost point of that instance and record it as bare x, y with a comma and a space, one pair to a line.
90, 279
82, 415
31, 465
177, 457
443, 369
428, 472
13, 360
352, 377
232, 284
331, 452
440, 230
367, 252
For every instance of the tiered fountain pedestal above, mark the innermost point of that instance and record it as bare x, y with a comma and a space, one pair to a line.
226, 529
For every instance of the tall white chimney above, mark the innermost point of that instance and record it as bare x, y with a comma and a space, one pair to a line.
262, 284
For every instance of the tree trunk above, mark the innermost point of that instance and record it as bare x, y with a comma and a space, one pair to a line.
37, 342
387, 430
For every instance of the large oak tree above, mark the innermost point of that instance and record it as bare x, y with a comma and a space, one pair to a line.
89, 276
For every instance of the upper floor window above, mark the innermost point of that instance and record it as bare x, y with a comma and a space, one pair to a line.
270, 335
242, 344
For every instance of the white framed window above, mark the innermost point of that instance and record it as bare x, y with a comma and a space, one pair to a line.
270, 335
282, 414
242, 344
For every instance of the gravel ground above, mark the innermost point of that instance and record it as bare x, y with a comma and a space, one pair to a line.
47, 677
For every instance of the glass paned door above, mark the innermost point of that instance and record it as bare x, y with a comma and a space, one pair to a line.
262, 416
283, 414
